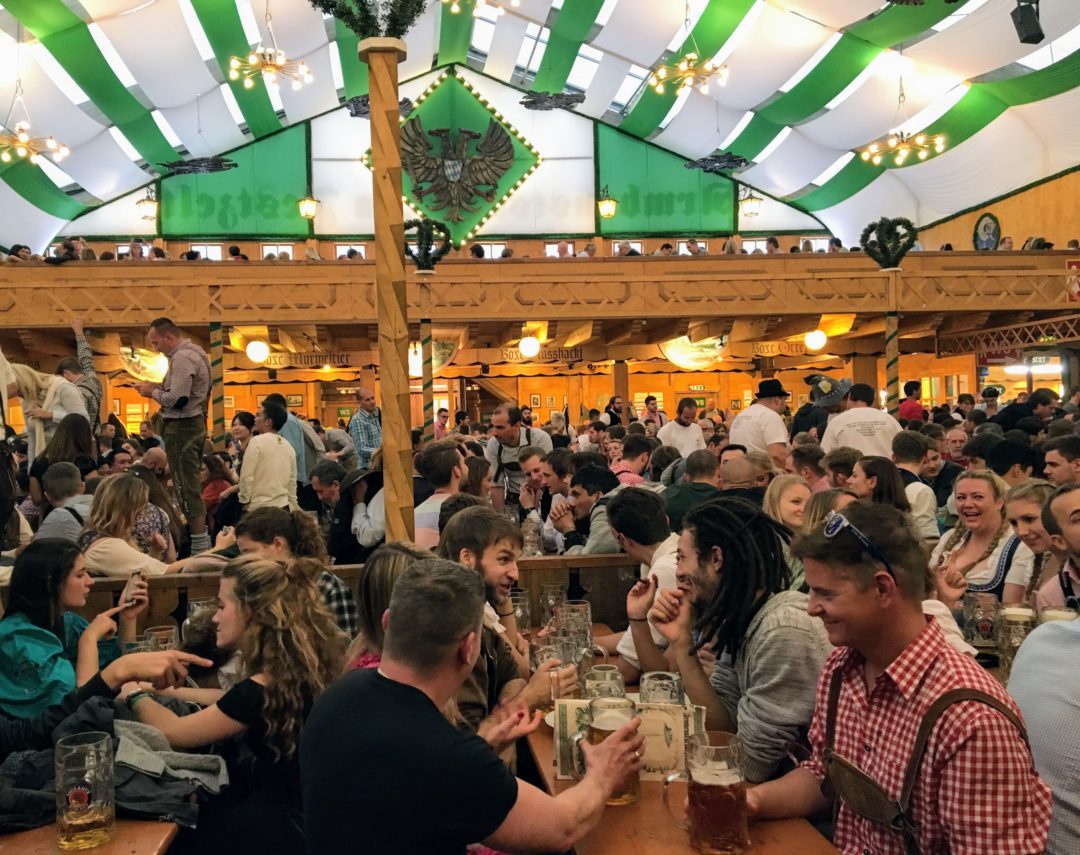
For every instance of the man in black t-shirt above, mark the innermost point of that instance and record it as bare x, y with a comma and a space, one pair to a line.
384, 771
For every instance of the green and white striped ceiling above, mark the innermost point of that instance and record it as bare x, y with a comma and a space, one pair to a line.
129, 84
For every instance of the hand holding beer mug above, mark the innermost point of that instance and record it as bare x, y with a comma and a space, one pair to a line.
716, 795
614, 721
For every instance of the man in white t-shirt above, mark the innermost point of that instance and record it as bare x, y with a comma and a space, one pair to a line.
638, 520
862, 425
683, 433
760, 428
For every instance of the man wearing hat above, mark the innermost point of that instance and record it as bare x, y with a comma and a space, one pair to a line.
759, 427
826, 397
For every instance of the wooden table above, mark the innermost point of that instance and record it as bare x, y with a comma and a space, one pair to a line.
133, 837
648, 828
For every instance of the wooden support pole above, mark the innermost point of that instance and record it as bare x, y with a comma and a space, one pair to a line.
573, 400
622, 387
864, 370
382, 57
428, 382
892, 345
217, 392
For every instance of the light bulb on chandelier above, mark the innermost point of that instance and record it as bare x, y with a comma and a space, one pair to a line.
269, 61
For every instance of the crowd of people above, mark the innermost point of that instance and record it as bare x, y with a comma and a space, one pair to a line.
802, 570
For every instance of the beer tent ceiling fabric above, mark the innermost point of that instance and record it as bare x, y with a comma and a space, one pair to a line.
131, 84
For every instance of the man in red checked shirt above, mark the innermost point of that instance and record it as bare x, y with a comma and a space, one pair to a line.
974, 790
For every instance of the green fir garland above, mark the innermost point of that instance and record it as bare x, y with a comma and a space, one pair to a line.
366, 17
427, 254
888, 240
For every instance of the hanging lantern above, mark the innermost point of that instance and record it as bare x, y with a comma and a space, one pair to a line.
309, 207
749, 202
148, 205
815, 340
606, 205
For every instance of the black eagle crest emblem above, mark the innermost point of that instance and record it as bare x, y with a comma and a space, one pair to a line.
454, 177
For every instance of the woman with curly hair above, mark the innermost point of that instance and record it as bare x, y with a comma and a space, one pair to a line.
273, 615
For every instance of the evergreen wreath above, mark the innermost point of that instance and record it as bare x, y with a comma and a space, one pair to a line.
427, 254
372, 18
888, 240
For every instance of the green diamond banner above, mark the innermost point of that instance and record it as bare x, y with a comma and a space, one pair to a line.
461, 160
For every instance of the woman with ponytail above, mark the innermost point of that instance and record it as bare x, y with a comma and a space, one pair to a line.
273, 614
281, 535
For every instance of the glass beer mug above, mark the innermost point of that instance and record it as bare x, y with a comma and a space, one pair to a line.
661, 687
716, 795
604, 681
1014, 623
607, 715
85, 809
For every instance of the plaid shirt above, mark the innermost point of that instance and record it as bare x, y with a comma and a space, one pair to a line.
341, 602
626, 475
366, 433
977, 791
88, 383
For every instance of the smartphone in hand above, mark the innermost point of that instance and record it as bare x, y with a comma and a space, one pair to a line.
127, 596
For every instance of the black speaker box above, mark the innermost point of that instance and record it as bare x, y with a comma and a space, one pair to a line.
1026, 20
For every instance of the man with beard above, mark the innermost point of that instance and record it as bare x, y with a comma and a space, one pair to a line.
733, 597
684, 433
485, 541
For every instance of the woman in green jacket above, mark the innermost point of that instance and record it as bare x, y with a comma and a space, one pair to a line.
46, 651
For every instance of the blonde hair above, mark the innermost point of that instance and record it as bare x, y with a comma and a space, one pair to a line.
380, 574
558, 422
999, 487
118, 501
1035, 490
291, 639
32, 385
775, 492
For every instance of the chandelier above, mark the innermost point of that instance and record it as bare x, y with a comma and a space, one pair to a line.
690, 72
16, 139
479, 6
899, 144
269, 61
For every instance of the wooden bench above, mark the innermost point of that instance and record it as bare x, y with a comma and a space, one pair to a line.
601, 579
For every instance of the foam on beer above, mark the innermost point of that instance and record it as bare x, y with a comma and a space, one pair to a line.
609, 721
1057, 614
1017, 613
715, 776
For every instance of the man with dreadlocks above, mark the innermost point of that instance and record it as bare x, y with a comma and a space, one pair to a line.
733, 597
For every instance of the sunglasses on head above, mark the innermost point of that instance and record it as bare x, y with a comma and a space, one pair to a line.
836, 522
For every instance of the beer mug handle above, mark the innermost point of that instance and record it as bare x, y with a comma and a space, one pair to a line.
596, 648
670, 779
577, 759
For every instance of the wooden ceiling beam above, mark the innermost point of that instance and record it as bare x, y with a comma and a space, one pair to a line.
620, 331
578, 334
658, 332
792, 327
46, 343
747, 329
702, 330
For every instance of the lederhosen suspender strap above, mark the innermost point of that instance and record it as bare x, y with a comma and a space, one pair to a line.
75, 514
903, 822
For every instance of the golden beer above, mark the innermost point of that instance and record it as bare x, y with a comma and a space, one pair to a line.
86, 828
716, 812
602, 726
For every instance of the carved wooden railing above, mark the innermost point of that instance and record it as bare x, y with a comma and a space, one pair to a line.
118, 294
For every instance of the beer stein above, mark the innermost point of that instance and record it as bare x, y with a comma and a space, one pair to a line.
1011, 628
979, 619
607, 715
661, 687
85, 810
162, 637
577, 647
604, 681
551, 595
716, 795
519, 602
574, 615
1062, 614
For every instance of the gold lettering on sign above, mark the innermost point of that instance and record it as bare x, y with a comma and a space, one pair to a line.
547, 354
307, 360
779, 348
